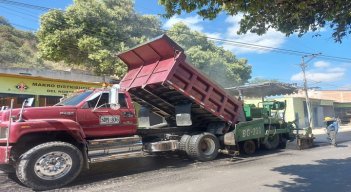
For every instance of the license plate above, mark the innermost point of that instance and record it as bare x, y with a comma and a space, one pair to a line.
109, 119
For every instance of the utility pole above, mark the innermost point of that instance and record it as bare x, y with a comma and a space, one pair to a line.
303, 66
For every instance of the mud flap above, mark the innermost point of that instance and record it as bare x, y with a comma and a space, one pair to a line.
144, 117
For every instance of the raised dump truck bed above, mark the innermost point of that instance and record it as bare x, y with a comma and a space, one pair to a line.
160, 78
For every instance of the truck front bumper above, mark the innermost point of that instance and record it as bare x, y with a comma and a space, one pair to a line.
3, 151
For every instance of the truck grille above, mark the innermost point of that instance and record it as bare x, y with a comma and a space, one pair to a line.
3, 132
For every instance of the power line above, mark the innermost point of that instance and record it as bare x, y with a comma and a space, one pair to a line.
274, 49
248, 45
30, 6
26, 11
326, 84
22, 26
293, 52
230, 42
279, 50
14, 12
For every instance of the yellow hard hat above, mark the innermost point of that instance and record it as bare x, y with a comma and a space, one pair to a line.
328, 119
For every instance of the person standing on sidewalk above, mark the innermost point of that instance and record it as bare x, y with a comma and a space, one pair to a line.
332, 129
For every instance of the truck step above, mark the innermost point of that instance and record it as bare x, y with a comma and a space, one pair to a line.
98, 159
114, 146
114, 141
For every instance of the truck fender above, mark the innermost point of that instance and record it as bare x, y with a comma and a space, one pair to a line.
19, 129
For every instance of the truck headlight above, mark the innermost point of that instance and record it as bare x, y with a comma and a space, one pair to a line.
3, 132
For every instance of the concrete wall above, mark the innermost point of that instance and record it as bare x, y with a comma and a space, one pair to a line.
296, 110
343, 111
342, 96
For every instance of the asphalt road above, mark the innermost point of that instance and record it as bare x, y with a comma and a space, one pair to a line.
322, 168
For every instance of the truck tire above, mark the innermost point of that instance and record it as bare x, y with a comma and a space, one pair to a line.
272, 142
283, 142
203, 147
184, 142
249, 147
49, 165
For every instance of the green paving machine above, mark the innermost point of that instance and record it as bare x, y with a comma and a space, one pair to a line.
264, 125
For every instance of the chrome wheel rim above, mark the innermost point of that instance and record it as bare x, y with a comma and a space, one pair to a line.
53, 165
208, 146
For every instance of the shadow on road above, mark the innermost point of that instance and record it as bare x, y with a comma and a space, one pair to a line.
125, 167
130, 166
119, 169
321, 140
342, 137
326, 175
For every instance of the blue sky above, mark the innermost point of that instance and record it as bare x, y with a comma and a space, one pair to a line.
327, 74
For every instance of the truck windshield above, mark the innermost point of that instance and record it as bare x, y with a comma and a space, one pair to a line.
75, 99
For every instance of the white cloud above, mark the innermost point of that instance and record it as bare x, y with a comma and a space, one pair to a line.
345, 87
192, 22
214, 35
318, 76
322, 72
337, 70
321, 64
271, 38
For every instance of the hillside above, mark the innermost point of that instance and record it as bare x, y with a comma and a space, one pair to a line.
18, 50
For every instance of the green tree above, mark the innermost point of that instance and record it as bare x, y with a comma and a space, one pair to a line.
90, 33
219, 64
286, 16
3, 21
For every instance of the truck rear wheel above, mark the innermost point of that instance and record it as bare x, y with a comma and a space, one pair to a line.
249, 147
203, 147
184, 142
49, 165
272, 142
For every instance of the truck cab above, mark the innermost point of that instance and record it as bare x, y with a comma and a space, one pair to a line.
87, 112
98, 119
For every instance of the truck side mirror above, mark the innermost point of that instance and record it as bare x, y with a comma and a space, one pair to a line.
113, 97
29, 102
26, 103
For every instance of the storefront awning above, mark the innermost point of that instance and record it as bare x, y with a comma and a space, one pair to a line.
263, 89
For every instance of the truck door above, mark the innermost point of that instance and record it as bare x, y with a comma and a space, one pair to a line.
98, 120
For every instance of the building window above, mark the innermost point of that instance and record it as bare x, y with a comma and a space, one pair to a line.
52, 100
48, 100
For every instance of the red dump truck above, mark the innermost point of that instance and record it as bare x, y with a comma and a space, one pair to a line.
49, 146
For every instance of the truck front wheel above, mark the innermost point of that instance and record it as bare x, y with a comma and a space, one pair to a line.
49, 165
203, 147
